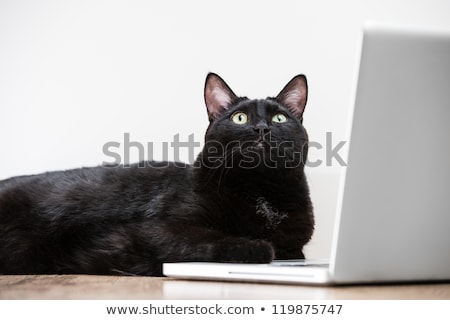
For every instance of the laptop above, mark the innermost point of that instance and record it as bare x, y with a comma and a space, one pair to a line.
393, 211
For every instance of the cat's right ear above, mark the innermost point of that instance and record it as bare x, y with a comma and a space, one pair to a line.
294, 95
218, 96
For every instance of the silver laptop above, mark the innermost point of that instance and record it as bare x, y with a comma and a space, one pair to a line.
393, 215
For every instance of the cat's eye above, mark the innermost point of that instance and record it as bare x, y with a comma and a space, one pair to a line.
239, 118
279, 118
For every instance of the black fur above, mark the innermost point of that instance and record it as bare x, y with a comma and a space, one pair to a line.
245, 199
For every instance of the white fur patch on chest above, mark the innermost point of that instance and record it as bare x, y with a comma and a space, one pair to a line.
272, 215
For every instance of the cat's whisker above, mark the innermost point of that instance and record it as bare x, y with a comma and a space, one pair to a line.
123, 273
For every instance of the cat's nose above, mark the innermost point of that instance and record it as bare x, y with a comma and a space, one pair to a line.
261, 126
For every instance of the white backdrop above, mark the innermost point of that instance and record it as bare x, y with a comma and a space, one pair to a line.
75, 75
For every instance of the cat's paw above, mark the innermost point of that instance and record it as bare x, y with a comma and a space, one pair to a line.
244, 251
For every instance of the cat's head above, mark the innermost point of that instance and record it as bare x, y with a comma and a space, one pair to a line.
255, 133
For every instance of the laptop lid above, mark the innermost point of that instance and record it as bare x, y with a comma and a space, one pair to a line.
393, 222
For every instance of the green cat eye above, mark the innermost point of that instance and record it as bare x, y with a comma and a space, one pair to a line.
239, 118
279, 118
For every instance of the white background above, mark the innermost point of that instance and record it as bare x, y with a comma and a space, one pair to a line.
77, 74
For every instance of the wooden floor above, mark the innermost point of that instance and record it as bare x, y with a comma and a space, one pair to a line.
114, 287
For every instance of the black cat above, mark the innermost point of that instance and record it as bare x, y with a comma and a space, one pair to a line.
245, 199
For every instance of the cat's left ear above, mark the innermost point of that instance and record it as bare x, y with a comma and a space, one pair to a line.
294, 95
218, 96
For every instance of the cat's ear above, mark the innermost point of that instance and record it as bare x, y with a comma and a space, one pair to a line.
218, 96
294, 95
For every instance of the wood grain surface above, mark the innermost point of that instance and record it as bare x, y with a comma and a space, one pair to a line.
153, 288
